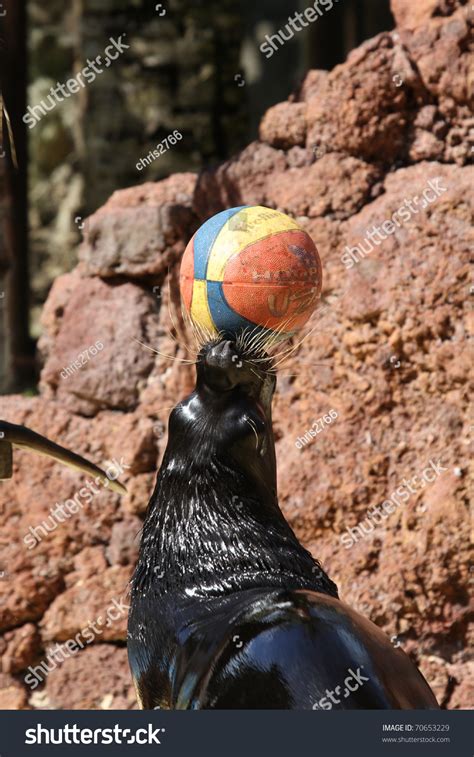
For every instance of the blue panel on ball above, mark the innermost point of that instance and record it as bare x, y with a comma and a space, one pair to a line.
226, 319
205, 238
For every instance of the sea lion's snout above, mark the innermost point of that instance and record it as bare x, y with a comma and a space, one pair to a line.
230, 370
222, 355
223, 366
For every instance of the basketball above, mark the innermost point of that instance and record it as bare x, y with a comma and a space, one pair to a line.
250, 268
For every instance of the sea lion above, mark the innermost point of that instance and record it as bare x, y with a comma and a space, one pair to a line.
228, 610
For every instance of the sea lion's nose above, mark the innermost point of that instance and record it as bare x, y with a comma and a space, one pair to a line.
222, 365
221, 355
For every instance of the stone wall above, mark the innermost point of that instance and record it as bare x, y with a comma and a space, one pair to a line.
389, 352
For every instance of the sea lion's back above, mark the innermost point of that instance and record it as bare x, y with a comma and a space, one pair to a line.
301, 650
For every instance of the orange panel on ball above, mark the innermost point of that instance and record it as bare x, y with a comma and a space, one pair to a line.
272, 306
275, 279
283, 258
186, 274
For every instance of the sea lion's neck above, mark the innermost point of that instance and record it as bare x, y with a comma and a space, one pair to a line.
208, 533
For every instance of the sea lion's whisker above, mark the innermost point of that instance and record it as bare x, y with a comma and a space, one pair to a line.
203, 335
288, 350
255, 372
165, 407
162, 354
241, 342
297, 346
282, 352
256, 343
286, 375
253, 340
326, 365
279, 335
285, 355
181, 344
195, 334
279, 357
254, 429
190, 326
199, 333
269, 340
169, 307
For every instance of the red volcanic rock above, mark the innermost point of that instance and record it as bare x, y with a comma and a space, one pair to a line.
461, 682
54, 307
284, 125
27, 598
21, 647
79, 683
427, 132
37, 571
410, 15
139, 491
89, 562
359, 109
85, 377
441, 49
313, 82
98, 603
386, 265
162, 217
304, 191
387, 350
12, 694
249, 176
124, 541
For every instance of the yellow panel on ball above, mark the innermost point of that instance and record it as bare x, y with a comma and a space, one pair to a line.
248, 226
200, 312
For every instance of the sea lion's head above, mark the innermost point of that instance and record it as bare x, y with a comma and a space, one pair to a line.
225, 366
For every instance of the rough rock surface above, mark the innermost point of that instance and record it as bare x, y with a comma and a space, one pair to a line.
97, 678
389, 353
161, 211
410, 15
92, 318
